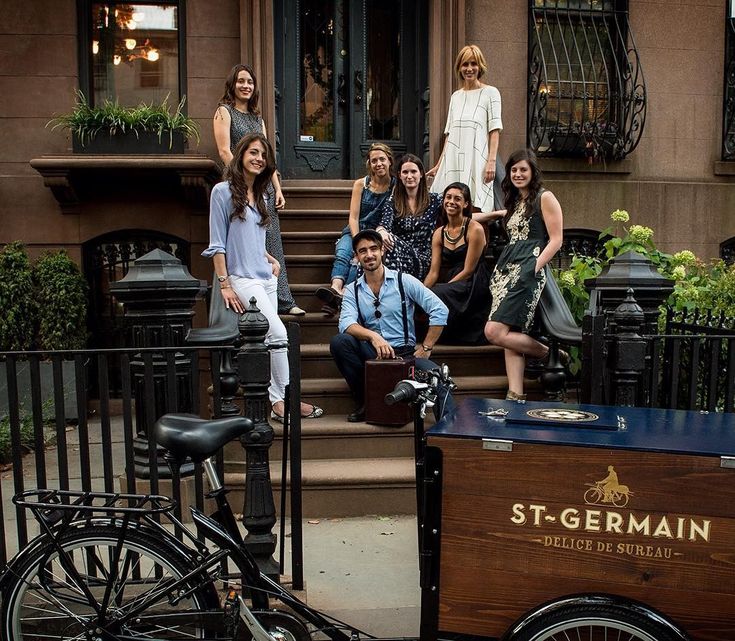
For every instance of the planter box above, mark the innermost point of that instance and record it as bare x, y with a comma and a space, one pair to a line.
23, 373
130, 144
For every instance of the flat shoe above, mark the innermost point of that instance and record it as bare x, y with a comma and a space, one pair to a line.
296, 311
328, 295
276, 417
316, 412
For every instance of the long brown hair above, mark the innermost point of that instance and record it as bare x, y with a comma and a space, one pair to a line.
510, 191
235, 175
400, 195
228, 98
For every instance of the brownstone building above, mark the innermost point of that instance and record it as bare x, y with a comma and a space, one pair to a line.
630, 104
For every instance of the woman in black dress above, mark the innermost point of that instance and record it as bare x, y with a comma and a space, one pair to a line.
459, 274
534, 224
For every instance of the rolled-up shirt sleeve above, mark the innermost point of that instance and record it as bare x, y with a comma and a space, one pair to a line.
348, 315
426, 300
219, 220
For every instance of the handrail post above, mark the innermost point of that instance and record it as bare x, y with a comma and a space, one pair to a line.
630, 352
259, 510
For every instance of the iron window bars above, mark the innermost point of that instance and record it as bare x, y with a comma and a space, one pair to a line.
587, 95
728, 110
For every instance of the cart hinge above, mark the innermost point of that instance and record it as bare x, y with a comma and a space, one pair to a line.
497, 445
727, 461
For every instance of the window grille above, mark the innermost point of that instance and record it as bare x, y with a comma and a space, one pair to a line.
728, 124
587, 95
727, 250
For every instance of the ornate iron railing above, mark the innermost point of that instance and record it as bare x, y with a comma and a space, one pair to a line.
727, 250
728, 110
586, 95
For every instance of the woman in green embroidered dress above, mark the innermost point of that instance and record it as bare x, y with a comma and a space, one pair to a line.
534, 224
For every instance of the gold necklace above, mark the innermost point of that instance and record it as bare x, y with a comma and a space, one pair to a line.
453, 240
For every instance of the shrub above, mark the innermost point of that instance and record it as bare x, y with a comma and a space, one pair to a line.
62, 309
17, 299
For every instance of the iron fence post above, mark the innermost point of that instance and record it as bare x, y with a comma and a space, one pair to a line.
630, 351
259, 510
158, 294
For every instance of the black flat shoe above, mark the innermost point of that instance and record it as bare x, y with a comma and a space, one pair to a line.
358, 416
329, 295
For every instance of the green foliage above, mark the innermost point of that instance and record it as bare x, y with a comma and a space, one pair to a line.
26, 436
17, 299
698, 285
62, 298
110, 118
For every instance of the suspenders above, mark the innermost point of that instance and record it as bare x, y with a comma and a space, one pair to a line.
404, 308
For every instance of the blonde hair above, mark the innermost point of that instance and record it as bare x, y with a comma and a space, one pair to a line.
470, 52
379, 146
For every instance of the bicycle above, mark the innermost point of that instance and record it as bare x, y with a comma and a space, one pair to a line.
104, 567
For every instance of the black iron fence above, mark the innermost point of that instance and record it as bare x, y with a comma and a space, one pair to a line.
53, 435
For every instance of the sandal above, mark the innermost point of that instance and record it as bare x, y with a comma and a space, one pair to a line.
316, 412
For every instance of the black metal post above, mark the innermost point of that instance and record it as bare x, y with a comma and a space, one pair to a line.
159, 294
259, 511
630, 351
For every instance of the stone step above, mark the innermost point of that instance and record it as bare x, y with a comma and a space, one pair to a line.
305, 298
301, 243
333, 395
311, 268
332, 437
480, 360
327, 196
315, 327
345, 487
309, 219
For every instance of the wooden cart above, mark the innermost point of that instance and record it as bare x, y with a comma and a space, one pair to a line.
551, 511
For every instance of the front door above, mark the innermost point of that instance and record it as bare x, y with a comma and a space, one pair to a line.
348, 73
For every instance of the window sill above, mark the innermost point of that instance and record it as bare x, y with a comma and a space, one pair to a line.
581, 166
724, 168
73, 178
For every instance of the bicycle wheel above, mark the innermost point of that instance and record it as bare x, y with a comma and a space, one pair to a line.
47, 602
593, 496
280, 625
595, 623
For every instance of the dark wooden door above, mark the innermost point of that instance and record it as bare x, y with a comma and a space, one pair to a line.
349, 73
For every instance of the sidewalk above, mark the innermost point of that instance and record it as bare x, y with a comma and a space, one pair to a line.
361, 570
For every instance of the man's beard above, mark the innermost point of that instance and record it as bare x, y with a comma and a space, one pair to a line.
373, 267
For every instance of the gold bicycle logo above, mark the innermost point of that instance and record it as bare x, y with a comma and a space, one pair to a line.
608, 491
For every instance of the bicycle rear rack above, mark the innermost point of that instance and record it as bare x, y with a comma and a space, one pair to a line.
52, 506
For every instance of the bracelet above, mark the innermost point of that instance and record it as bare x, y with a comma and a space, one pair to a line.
427, 348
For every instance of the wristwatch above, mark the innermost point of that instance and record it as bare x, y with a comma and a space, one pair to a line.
222, 279
427, 348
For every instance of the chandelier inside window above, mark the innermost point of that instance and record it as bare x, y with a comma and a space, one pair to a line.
119, 39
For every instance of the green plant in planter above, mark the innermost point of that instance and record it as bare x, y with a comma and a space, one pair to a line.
62, 311
17, 299
111, 119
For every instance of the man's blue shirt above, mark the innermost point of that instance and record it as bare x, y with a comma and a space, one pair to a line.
390, 323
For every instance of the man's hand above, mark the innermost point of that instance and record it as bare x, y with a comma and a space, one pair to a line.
422, 353
382, 347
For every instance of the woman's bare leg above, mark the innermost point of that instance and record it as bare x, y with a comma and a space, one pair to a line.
517, 346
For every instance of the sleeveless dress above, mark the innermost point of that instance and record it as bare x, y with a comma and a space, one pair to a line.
472, 115
468, 300
411, 252
240, 125
514, 286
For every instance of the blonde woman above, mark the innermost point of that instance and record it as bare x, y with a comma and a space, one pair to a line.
472, 134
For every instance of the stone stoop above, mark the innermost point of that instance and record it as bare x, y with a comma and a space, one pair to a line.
348, 469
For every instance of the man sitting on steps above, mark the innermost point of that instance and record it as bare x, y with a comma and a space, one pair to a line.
376, 321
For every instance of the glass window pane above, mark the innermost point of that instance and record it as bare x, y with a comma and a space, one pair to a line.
317, 36
135, 53
382, 93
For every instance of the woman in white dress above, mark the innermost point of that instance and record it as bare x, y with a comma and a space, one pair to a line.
472, 134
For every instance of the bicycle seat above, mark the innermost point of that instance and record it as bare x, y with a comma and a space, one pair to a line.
188, 435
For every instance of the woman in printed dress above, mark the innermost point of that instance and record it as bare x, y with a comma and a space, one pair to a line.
237, 115
534, 224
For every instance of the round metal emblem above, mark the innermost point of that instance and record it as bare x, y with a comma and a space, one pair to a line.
562, 415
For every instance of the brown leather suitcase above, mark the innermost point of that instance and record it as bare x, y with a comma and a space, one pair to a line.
381, 377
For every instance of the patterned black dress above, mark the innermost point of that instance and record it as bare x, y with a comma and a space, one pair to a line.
468, 300
515, 287
411, 252
240, 125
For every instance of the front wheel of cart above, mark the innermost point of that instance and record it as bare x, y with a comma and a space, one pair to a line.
594, 618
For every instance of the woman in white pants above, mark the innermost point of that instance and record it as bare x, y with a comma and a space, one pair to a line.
238, 220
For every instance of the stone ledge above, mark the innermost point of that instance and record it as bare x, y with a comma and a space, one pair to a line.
581, 166
65, 175
724, 168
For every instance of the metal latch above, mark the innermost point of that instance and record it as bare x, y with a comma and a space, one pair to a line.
727, 461
497, 445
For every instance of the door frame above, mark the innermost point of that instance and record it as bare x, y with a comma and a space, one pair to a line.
446, 37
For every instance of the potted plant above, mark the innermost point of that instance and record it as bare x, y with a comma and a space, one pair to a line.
113, 129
